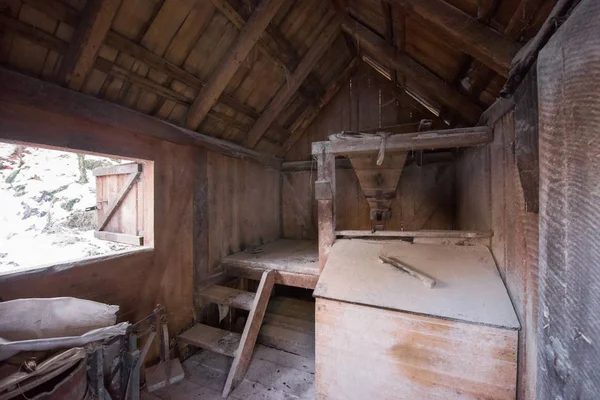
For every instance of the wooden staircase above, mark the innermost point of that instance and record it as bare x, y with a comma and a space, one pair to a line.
232, 344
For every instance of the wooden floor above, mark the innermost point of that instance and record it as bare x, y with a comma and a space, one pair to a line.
282, 367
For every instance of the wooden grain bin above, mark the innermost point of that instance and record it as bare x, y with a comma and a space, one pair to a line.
382, 334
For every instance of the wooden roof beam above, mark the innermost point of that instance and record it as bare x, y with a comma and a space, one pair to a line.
86, 42
428, 82
285, 54
246, 39
70, 16
289, 88
438, 139
308, 116
474, 38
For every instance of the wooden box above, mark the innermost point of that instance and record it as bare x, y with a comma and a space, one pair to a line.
382, 334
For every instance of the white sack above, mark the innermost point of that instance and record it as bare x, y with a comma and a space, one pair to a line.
46, 324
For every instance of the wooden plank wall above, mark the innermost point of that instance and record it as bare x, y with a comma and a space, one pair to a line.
364, 103
239, 194
424, 200
244, 207
569, 283
490, 197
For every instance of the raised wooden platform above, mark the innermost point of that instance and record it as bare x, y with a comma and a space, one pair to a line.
296, 262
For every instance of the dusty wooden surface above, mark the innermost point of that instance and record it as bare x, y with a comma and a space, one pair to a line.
295, 256
282, 365
468, 286
369, 353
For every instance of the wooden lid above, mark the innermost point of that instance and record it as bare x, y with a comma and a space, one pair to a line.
468, 286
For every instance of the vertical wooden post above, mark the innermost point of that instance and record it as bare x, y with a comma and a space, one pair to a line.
326, 206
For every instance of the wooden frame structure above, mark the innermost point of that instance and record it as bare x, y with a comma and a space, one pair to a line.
325, 153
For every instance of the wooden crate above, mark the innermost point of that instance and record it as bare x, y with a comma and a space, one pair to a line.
381, 334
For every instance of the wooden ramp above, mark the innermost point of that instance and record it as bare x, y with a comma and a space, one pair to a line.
294, 262
232, 344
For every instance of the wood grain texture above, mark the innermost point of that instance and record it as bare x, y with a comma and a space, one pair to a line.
229, 65
569, 273
87, 40
285, 93
468, 286
410, 357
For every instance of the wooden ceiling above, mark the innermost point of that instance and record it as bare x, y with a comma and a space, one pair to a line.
257, 72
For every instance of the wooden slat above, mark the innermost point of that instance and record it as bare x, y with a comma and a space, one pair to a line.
248, 340
448, 138
475, 38
285, 56
112, 208
119, 237
69, 15
428, 82
65, 104
229, 297
229, 65
210, 338
308, 116
290, 87
118, 169
486, 9
87, 39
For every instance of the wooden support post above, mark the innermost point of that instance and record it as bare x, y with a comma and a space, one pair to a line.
326, 207
86, 42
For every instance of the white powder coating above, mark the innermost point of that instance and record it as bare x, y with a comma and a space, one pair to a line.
42, 208
468, 286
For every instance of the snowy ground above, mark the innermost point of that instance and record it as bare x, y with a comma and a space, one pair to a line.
42, 207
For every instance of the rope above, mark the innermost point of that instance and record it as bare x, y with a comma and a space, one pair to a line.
350, 135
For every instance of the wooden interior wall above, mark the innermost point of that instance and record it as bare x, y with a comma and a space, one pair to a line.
490, 197
365, 102
243, 199
569, 282
424, 200
239, 194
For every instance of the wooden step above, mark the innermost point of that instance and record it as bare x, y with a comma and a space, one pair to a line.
229, 297
210, 338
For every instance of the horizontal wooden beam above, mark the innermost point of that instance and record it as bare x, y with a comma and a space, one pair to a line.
120, 169
308, 116
285, 93
427, 81
62, 11
449, 138
416, 234
34, 94
119, 237
228, 66
474, 38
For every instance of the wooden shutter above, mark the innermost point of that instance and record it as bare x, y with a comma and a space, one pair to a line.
119, 203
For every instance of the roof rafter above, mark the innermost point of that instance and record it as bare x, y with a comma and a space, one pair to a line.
285, 93
428, 82
285, 53
475, 38
308, 116
88, 37
246, 39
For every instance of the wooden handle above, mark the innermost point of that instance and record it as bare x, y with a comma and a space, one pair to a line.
425, 280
